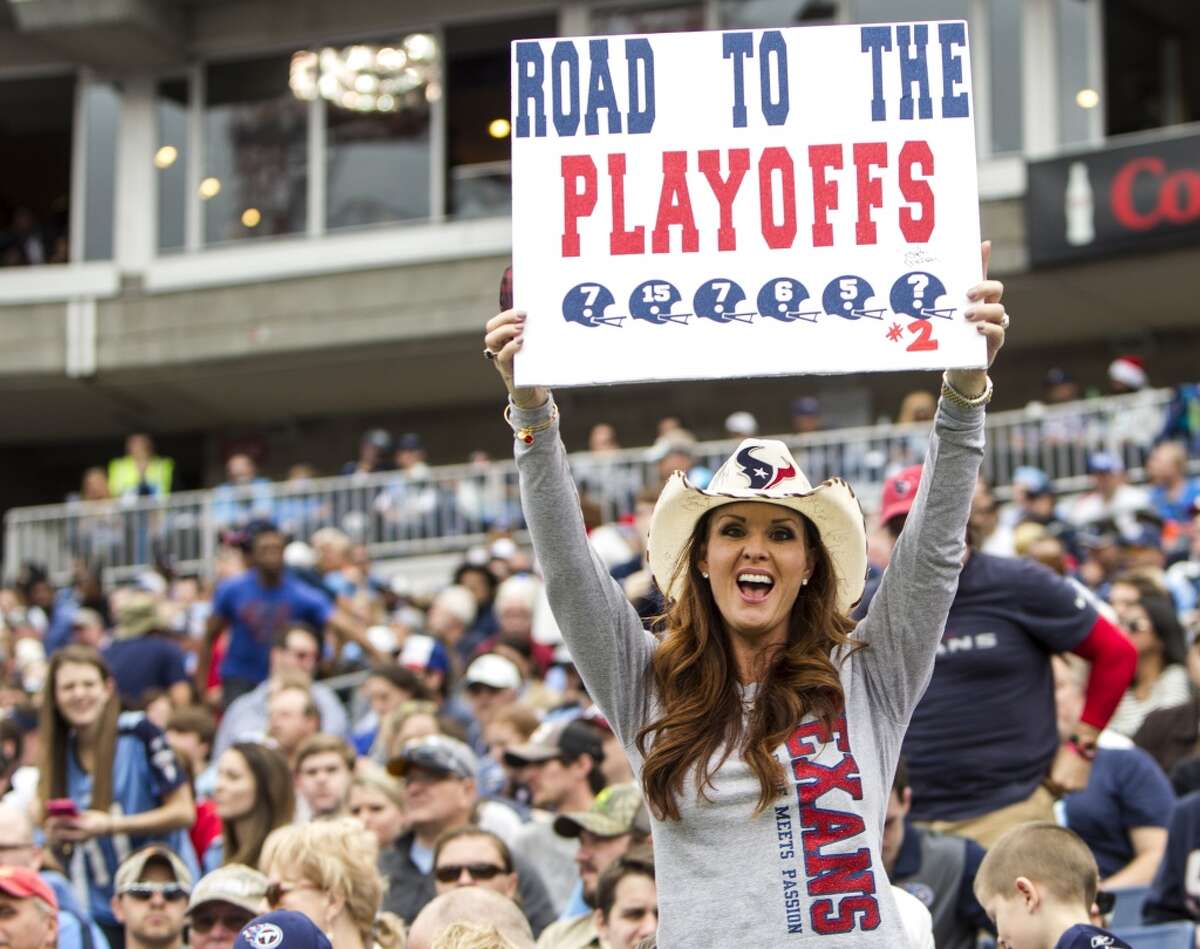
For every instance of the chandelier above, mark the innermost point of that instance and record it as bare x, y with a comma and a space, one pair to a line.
365, 78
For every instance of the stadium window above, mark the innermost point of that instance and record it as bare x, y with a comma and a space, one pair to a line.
255, 151
170, 162
1006, 77
378, 98
1150, 77
477, 109
1079, 99
36, 133
101, 117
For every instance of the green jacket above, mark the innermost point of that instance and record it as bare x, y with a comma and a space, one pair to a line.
123, 475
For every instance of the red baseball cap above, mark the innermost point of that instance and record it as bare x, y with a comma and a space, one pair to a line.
899, 492
22, 883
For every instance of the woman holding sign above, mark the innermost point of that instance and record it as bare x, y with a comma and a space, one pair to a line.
764, 724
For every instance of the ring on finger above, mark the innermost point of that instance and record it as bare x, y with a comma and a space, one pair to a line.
488, 354
1004, 321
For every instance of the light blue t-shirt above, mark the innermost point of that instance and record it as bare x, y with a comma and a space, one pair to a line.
422, 857
145, 771
72, 920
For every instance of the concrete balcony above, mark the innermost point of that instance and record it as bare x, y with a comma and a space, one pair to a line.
120, 34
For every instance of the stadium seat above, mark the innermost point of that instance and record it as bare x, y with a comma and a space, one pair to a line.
1181, 935
1127, 910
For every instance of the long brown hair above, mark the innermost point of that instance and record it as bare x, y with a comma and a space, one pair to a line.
694, 670
274, 803
56, 731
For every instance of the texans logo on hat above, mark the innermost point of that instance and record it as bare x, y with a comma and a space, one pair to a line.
831, 507
763, 475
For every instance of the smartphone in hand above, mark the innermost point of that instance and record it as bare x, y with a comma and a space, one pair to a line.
61, 807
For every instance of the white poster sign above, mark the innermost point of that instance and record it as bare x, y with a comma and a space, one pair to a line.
744, 203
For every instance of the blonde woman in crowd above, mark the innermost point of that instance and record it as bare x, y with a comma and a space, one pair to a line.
327, 871
377, 802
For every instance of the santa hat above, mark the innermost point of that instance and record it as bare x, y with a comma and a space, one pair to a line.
1130, 371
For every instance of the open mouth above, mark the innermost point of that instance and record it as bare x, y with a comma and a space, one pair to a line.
754, 587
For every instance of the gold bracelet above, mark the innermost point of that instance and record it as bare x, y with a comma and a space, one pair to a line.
951, 394
526, 432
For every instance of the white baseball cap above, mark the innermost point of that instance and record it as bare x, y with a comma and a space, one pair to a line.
495, 671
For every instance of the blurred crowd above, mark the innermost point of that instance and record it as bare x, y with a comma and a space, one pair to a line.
388, 493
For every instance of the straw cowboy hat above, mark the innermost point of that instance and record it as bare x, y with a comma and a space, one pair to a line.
762, 470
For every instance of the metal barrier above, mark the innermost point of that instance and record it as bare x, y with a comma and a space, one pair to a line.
454, 507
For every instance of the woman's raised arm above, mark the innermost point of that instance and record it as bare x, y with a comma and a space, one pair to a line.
905, 621
600, 626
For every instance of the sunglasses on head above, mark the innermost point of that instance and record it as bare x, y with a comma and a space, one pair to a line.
171, 892
448, 873
205, 921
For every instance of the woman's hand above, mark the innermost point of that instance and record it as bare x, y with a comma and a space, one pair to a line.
74, 830
987, 312
503, 338
1069, 772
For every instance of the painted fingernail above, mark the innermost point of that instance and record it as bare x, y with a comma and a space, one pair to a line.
973, 294
971, 313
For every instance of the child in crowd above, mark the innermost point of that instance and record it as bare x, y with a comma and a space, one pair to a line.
1038, 884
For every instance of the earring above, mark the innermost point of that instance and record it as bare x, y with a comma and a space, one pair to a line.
804, 582
703, 574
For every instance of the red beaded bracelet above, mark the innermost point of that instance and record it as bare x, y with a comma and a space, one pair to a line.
526, 432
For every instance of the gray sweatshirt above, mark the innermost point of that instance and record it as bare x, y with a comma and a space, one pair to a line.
809, 866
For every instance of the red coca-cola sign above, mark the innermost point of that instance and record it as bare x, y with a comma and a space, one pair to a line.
1122, 199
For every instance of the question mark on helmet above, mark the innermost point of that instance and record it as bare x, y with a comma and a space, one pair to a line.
918, 282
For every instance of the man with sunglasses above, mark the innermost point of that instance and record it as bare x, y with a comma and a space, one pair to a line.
440, 775
221, 905
150, 898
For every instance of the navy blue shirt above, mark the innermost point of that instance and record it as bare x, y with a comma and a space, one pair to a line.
1083, 936
984, 735
255, 613
1127, 789
147, 662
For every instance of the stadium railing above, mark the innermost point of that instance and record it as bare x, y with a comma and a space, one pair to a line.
454, 507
